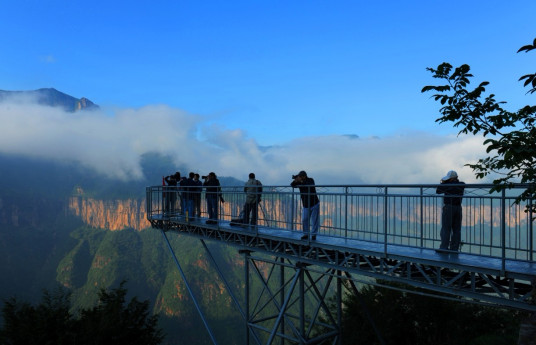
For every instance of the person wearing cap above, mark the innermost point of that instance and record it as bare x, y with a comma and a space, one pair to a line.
310, 203
451, 217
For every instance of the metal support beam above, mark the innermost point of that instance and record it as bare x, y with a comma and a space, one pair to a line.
291, 305
189, 289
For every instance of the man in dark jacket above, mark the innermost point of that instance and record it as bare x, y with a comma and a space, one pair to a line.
451, 217
212, 194
188, 191
170, 192
197, 195
310, 203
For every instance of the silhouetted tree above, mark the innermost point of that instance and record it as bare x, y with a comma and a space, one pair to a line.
114, 322
510, 136
410, 318
111, 321
50, 322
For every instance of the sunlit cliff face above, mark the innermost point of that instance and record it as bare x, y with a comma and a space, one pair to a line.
110, 214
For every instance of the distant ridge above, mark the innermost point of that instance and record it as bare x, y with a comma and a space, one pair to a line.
53, 98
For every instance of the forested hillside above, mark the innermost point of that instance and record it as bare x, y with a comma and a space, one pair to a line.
44, 242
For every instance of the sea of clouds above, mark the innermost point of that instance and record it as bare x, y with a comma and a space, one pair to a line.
113, 144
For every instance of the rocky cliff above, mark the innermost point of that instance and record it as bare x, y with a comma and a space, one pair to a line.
110, 214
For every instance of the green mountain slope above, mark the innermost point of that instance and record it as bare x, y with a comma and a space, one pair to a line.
43, 244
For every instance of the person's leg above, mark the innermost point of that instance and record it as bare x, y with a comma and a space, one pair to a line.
305, 219
167, 200
182, 203
247, 210
254, 211
197, 205
173, 200
216, 208
210, 207
456, 228
190, 208
446, 225
315, 224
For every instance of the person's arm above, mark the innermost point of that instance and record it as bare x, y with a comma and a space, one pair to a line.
440, 189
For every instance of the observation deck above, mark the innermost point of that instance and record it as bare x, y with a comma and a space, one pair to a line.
380, 234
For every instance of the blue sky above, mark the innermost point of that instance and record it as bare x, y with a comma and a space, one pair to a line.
270, 72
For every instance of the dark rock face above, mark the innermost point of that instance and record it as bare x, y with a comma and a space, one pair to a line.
49, 97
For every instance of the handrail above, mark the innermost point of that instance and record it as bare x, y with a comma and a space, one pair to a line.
407, 215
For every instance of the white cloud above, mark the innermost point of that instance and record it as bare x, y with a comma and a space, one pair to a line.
112, 145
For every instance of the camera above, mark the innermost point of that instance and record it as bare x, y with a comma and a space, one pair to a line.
294, 176
204, 177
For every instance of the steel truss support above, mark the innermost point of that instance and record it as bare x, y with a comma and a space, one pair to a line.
190, 291
478, 284
288, 304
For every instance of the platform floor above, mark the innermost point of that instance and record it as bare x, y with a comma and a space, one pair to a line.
482, 263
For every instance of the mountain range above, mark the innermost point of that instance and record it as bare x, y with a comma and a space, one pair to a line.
49, 97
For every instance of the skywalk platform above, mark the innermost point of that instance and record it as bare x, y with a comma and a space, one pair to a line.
384, 234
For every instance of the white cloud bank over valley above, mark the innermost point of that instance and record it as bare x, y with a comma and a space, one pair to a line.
112, 145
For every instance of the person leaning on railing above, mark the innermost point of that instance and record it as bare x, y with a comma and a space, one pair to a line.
451, 216
310, 203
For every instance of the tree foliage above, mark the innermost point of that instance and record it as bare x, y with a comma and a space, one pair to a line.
111, 321
510, 136
413, 319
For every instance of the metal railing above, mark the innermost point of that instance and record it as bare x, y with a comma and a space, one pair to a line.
409, 215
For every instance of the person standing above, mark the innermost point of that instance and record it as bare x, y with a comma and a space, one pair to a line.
170, 194
451, 216
187, 189
253, 190
197, 196
212, 195
310, 203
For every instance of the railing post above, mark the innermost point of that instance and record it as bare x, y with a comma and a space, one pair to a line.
292, 204
503, 231
422, 217
164, 200
385, 221
345, 212
148, 191
531, 231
